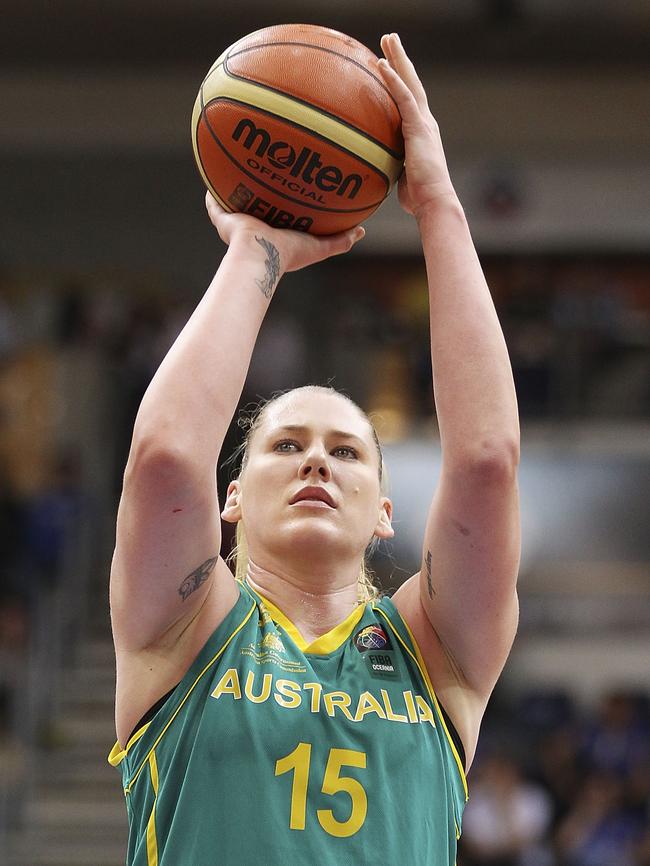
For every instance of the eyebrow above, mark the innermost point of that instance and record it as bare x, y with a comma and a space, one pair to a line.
299, 428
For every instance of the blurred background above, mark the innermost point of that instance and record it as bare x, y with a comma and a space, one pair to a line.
105, 249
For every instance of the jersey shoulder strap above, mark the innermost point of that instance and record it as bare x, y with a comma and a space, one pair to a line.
386, 610
130, 758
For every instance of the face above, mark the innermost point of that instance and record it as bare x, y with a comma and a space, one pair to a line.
311, 478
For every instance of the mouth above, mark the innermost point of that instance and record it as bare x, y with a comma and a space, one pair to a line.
317, 497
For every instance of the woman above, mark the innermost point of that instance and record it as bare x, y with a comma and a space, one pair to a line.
302, 726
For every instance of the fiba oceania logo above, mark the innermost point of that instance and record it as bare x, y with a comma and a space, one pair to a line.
372, 637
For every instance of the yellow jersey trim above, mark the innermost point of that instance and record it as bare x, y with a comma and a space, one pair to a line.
133, 780
118, 753
419, 661
322, 645
152, 841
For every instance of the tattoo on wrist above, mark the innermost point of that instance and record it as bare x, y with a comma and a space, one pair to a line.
272, 264
427, 562
194, 580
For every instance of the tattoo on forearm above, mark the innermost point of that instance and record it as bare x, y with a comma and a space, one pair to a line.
427, 562
272, 263
194, 580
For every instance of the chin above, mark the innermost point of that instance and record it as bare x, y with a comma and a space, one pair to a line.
312, 538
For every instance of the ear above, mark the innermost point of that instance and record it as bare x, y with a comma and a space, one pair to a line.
384, 527
232, 509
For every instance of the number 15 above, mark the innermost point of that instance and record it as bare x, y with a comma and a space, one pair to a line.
299, 761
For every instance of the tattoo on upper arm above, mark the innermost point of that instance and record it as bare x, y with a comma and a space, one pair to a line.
194, 580
427, 562
272, 263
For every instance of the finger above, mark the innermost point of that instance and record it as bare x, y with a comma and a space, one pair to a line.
406, 101
317, 248
344, 241
402, 64
212, 205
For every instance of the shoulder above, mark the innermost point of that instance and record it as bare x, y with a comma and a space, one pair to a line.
143, 676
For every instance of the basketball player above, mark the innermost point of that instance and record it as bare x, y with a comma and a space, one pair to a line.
278, 719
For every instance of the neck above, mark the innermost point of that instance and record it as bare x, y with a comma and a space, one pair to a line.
315, 608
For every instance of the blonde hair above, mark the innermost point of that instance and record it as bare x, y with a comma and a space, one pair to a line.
367, 590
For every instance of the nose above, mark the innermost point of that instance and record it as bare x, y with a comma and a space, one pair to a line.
315, 462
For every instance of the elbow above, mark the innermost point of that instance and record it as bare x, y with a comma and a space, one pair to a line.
493, 463
155, 461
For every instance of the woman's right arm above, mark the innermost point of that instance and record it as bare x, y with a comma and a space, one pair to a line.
166, 563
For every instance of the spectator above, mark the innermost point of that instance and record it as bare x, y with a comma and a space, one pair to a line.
557, 770
599, 831
10, 535
506, 817
52, 516
617, 742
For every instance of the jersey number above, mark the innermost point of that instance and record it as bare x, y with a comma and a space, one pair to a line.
299, 761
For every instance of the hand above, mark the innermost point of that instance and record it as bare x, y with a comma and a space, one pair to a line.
296, 249
426, 177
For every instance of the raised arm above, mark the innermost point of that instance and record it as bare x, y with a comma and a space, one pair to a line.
166, 567
463, 603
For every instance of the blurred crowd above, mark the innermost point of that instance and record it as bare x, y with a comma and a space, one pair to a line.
75, 359
36, 532
555, 785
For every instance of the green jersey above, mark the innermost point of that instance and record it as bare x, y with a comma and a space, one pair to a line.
273, 751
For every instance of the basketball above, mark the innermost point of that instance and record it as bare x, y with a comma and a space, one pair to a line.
294, 125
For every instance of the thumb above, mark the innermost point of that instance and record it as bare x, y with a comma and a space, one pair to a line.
344, 241
212, 205
316, 248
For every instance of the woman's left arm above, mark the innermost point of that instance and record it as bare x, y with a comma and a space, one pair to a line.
467, 584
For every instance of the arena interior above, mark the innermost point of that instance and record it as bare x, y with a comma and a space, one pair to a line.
104, 249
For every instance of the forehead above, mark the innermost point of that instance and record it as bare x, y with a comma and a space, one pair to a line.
317, 410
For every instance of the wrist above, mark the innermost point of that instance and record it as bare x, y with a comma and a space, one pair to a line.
442, 203
256, 261
256, 246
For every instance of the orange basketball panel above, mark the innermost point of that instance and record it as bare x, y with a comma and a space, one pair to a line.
308, 34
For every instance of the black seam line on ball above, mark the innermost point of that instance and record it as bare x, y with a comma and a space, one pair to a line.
394, 153
316, 48
210, 72
256, 179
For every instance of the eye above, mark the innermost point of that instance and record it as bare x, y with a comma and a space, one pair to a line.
286, 446
346, 452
